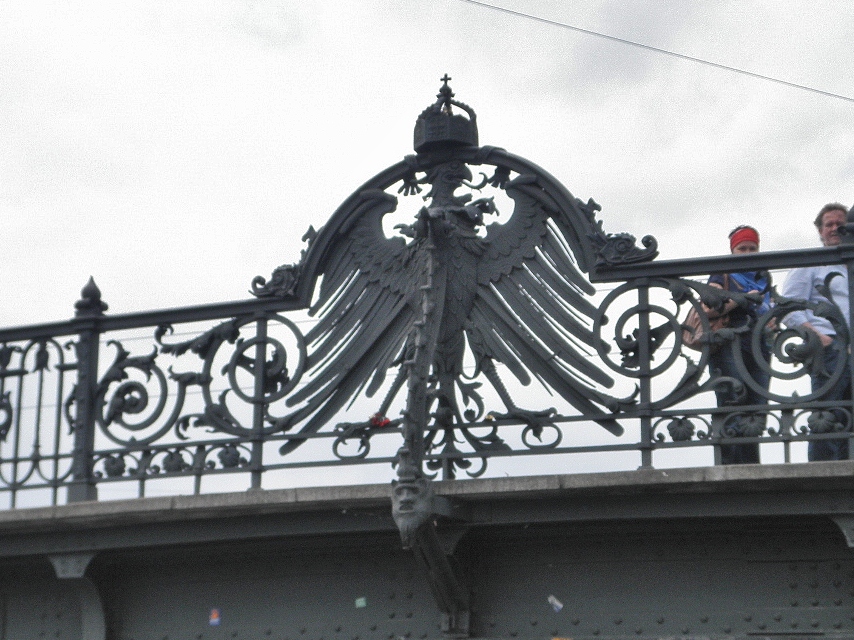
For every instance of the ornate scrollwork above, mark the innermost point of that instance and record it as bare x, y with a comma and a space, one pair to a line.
282, 284
120, 399
202, 345
285, 279
362, 433
133, 394
537, 431
172, 460
641, 327
276, 378
648, 334
617, 249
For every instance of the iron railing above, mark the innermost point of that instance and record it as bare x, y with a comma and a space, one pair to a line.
162, 400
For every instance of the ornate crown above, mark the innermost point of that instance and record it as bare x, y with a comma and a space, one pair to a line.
437, 126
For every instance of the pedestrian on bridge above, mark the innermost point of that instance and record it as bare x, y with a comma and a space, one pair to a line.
743, 240
806, 283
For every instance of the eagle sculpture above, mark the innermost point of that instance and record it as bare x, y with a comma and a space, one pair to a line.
409, 306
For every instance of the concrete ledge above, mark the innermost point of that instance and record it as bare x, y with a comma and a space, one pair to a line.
217, 505
748, 477
818, 477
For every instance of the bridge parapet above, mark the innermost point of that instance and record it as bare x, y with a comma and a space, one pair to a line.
407, 340
188, 400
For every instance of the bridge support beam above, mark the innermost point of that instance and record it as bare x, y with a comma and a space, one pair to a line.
846, 526
71, 568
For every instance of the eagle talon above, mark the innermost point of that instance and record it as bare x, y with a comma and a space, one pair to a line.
535, 420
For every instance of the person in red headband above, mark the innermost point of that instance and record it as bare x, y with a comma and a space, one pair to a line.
744, 239
737, 358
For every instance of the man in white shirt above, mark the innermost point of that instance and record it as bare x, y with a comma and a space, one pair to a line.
802, 283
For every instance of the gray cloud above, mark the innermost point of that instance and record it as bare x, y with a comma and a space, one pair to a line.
175, 150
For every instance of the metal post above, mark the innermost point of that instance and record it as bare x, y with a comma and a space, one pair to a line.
88, 309
259, 407
645, 377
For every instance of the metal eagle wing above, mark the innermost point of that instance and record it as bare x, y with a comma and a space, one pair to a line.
365, 313
533, 311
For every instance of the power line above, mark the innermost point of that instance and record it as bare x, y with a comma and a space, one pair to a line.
647, 47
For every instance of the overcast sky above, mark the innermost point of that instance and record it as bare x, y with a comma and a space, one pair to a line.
175, 150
